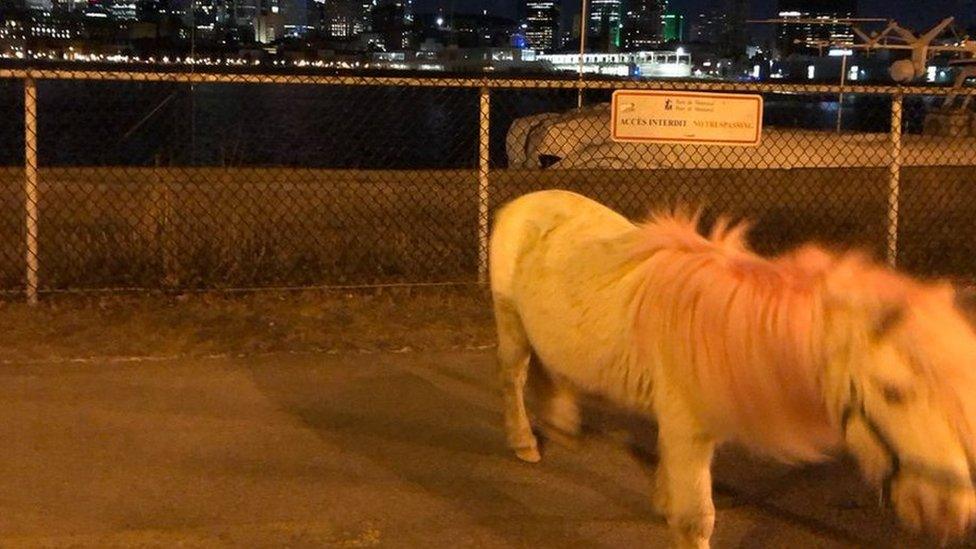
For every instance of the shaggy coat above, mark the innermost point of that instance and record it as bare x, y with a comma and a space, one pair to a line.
720, 344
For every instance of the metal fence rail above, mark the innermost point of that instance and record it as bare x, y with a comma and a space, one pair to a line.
160, 180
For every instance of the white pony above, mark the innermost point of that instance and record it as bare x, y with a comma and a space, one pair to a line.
792, 357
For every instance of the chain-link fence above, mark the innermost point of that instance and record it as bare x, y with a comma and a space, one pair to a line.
184, 181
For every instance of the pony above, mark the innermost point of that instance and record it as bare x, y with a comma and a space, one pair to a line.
795, 357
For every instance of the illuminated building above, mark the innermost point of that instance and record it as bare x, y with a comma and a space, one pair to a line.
642, 27
674, 27
809, 38
604, 25
542, 24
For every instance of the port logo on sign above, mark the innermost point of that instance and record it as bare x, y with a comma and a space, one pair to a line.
657, 116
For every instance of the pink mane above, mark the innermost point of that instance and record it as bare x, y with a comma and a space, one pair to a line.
744, 327
749, 332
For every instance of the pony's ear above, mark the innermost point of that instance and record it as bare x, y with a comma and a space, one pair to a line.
888, 316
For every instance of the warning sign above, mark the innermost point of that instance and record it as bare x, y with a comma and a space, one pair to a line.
657, 116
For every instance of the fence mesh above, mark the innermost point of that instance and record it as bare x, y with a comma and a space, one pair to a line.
789, 202
937, 230
12, 215
243, 185
240, 182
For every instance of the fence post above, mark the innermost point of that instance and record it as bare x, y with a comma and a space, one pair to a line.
30, 185
894, 178
584, 22
483, 157
840, 97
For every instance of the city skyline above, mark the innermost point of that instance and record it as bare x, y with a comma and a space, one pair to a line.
905, 11
302, 30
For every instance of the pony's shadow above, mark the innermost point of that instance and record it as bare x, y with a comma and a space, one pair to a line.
635, 433
441, 431
843, 510
447, 442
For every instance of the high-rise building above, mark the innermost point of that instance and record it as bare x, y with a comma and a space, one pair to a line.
810, 39
343, 18
478, 30
368, 6
603, 27
205, 15
643, 25
570, 29
146, 10
123, 10
298, 17
391, 20
542, 24
38, 5
674, 27
735, 37
66, 5
706, 26
722, 23
268, 22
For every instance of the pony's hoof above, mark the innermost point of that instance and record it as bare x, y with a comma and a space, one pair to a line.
530, 454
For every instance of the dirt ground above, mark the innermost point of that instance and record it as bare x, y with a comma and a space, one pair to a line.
339, 420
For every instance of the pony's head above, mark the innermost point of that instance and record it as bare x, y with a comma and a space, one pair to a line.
901, 384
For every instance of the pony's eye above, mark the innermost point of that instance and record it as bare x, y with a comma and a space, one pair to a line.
893, 395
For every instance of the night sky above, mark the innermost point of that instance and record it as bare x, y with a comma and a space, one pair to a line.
910, 13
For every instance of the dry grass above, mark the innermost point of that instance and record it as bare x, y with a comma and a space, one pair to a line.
212, 228
71, 327
65, 327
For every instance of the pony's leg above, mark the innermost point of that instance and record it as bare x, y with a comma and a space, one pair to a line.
514, 356
683, 480
560, 412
